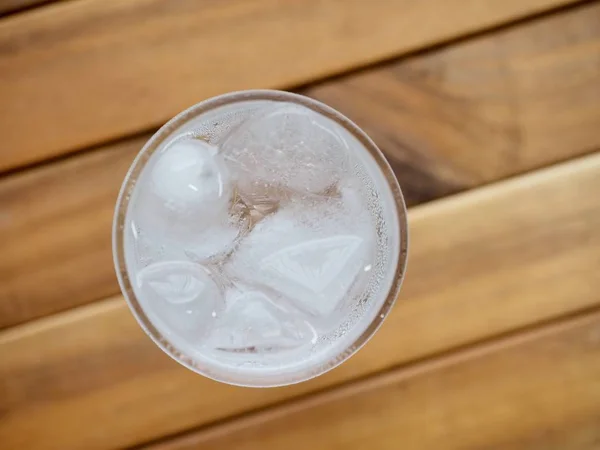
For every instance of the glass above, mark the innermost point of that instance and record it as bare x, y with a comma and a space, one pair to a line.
213, 122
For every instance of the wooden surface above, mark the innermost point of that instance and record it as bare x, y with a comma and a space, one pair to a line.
62, 213
414, 110
495, 340
13, 6
485, 108
484, 276
138, 63
499, 395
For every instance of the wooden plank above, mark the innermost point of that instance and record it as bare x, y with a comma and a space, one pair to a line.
82, 72
55, 233
485, 109
482, 263
431, 167
540, 391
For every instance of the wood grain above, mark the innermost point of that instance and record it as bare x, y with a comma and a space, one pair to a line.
483, 263
12, 6
411, 116
485, 109
538, 391
80, 73
55, 233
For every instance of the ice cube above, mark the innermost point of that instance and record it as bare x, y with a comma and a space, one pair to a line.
287, 147
217, 241
189, 173
213, 242
257, 322
181, 295
186, 189
144, 249
315, 254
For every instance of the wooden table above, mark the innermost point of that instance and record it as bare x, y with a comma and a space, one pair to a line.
488, 111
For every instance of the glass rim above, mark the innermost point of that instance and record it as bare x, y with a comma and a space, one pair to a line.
260, 378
